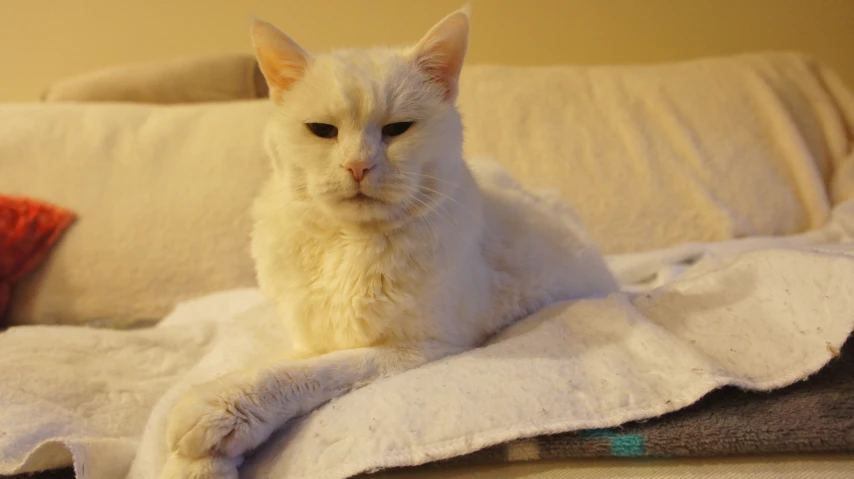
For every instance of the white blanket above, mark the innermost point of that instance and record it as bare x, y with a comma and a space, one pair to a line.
759, 314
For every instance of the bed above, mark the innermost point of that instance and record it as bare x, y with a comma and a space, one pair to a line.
715, 158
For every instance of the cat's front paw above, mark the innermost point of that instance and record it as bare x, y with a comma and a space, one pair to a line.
218, 418
180, 467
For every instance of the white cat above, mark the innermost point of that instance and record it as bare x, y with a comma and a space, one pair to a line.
379, 247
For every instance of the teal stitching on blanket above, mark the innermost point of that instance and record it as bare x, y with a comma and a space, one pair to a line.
622, 445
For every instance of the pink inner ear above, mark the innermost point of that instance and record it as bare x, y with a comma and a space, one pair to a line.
281, 60
279, 74
442, 63
441, 52
441, 74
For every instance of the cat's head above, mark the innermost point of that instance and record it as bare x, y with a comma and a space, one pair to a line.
366, 135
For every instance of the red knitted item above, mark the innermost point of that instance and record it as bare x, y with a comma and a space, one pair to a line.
28, 230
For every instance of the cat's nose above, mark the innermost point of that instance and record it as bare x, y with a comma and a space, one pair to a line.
358, 168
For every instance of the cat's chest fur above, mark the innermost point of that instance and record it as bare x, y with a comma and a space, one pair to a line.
348, 290
494, 255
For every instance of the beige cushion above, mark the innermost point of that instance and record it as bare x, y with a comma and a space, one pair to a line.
206, 78
654, 156
651, 156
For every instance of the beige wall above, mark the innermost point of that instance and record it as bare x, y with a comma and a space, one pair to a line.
45, 40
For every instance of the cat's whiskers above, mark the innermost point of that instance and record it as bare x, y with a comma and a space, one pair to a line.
462, 207
435, 208
416, 174
284, 206
451, 221
428, 221
300, 187
412, 209
447, 216
429, 208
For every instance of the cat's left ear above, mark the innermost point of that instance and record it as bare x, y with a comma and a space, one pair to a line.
441, 52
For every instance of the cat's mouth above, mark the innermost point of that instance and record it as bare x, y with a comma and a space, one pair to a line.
362, 198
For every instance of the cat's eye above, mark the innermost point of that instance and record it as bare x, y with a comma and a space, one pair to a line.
396, 129
323, 130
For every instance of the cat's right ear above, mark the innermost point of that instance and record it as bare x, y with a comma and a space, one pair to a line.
281, 60
441, 52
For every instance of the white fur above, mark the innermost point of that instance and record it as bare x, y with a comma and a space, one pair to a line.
444, 257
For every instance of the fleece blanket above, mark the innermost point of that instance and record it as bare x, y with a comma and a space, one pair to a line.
758, 314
